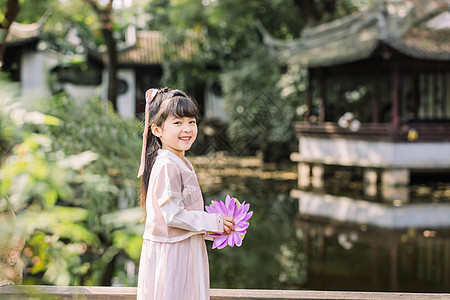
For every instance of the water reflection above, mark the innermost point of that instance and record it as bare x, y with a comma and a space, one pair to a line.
270, 256
337, 238
391, 239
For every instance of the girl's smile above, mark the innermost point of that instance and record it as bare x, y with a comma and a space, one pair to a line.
185, 138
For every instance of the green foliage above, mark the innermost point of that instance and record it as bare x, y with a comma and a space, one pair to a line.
64, 167
259, 113
36, 184
230, 51
32, 11
96, 127
127, 230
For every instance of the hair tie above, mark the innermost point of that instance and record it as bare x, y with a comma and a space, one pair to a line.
150, 94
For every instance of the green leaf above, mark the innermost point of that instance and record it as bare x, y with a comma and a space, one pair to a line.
50, 198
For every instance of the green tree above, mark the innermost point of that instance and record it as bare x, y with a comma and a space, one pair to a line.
67, 171
231, 52
8, 14
98, 25
105, 17
37, 185
95, 126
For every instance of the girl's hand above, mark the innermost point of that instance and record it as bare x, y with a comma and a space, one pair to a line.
228, 224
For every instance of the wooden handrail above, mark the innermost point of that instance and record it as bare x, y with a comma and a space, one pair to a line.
128, 293
426, 131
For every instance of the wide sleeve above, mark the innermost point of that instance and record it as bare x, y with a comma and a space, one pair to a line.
168, 194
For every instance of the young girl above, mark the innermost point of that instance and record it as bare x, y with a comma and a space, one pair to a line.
174, 261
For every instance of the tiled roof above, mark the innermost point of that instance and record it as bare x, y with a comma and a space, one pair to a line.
20, 34
149, 50
424, 43
400, 24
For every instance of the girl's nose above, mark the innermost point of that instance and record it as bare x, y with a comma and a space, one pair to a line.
186, 128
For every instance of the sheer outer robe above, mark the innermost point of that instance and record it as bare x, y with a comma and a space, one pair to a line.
175, 207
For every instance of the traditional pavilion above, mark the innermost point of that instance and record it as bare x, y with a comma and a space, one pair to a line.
377, 100
378, 93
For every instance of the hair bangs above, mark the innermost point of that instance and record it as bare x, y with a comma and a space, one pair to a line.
182, 107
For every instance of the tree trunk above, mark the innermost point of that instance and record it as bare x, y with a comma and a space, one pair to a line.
105, 17
10, 12
112, 67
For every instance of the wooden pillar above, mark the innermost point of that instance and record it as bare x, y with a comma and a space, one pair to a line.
395, 118
421, 259
446, 261
321, 244
431, 97
429, 259
304, 175
414, 102
309, 96
394, 264
370, 182
394, 184
307, 244
375, 263
323, 97
318, 171
376, 99
447, 95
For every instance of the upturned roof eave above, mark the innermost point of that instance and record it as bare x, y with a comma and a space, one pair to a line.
21, 34
356, 37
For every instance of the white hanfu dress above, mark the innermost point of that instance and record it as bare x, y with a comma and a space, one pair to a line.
174, 261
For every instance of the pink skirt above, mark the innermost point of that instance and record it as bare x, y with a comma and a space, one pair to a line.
174, 271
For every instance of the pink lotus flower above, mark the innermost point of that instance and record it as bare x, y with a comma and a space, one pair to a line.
239, 212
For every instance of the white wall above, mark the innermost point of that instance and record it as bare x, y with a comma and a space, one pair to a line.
345, 209
375, 154
126, 105
215, 105
35, 70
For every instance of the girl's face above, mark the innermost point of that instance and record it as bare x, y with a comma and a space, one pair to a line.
176, 134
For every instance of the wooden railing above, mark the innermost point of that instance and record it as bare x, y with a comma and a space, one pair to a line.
426, 131
129, 293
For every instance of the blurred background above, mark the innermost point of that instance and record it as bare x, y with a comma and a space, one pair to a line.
331, 118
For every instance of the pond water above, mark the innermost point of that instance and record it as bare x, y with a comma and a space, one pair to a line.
288, 249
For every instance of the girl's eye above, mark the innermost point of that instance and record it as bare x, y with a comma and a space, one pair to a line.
193, 122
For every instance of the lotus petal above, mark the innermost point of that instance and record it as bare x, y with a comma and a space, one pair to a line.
211, 209
239, 213
247, 216
241, 232
237, 240
241, 226
221, 208
220, 242
234, 238
228, 200
231, 206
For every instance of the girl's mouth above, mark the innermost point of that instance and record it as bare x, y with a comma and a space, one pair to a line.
185, 138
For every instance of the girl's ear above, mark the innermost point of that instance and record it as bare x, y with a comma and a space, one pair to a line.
156, 131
